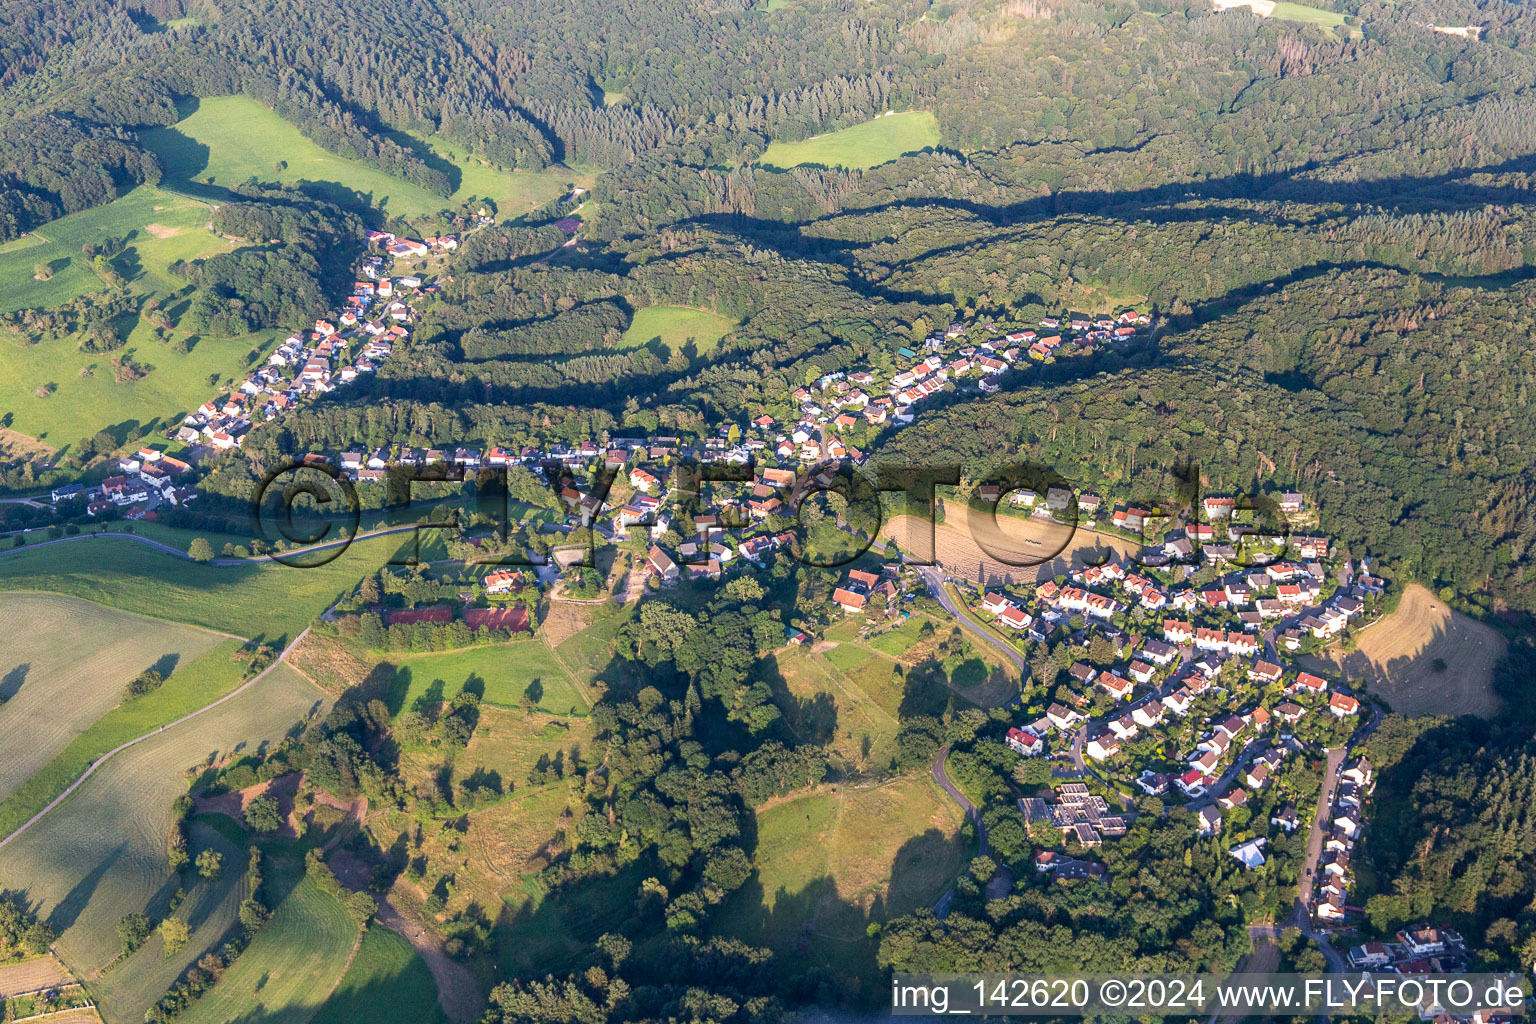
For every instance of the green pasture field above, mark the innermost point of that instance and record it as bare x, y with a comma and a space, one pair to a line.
158, 227
101, 854
877, 141
225, 140
506, 670
63, 665
265, 599
286, 973
834, 861
515, 192
675, 327
388, 983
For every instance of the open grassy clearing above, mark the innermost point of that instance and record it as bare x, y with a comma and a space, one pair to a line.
387, 983
290, 966
159, 227
831, 862
507, 671
101, 854
223, 140
555, 932
824, 703
588, 650
1014, 550
847, 691
676, 328
1397, 658
516, 192
64, 663
874, 142
264, 599
1331, 22
514, 838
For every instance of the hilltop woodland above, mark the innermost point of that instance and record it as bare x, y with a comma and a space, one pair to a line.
1333, 228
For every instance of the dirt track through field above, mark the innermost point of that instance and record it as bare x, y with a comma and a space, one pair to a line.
1012, 550
1397, 656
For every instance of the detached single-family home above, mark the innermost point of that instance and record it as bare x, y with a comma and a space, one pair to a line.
661, 565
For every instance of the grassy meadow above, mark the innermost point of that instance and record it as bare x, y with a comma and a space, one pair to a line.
64, 664
386, 984
505, 670
874, 142
286, 973
158, 227
516, 192
262, 599
831, 862
101, 854
676, 327
224, 140
848, 690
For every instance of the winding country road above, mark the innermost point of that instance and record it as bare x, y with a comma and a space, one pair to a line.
104, 758
942, 778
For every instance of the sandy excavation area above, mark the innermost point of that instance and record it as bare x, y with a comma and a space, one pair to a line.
1010, 551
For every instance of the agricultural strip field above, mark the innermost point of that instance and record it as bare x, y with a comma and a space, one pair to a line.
1012, 551
1397, 658
675, 328
831, 862
287, 971
31, 975
388, 983
874, 142
266, 600
212, 911
192, 686
64, 664
101, 854
224, 140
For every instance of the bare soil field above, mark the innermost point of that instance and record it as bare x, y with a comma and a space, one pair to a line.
233, 805
14, 445
32, 975
1426, 659
1012, 550
563, 621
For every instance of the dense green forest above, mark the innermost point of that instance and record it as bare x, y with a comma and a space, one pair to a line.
1334, 231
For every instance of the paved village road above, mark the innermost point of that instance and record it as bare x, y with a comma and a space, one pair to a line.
935, 581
